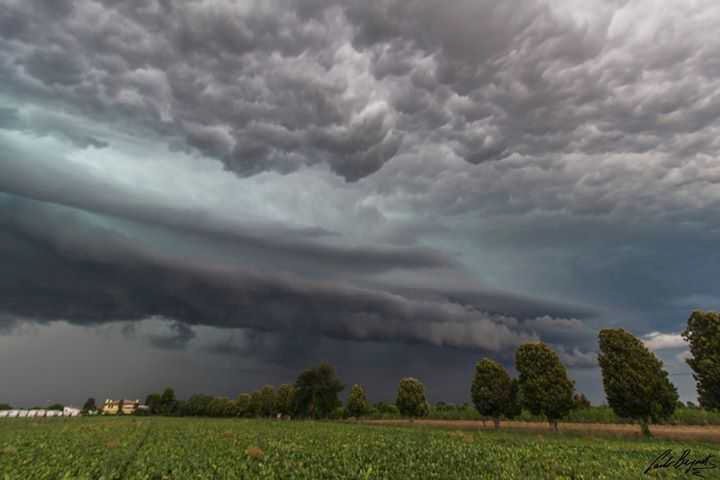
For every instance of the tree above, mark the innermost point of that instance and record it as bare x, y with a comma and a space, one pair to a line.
197, 405
411, 398
580, 401
255, 406
154, 403
5, 406
55, 406
243, 405
284, 399
545, 388
267, 401
491, 389
221, 407
89, 405
168, 401
636, 386
357, 403
703, 335
316, 391
386, 408
514, 408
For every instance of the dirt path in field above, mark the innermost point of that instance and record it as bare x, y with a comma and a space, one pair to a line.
674, 432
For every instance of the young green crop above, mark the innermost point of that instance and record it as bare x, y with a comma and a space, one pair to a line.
197, 448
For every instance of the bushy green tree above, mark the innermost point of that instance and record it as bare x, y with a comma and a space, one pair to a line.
89, 405
243, 406
514, 408
168, 401
256, 404
221, 407
197, 406
154, 403
357, 403
491, 389
316, 391
267, 401
636, 386
545, 388
411, 398
284, 399
385, 408
703, 335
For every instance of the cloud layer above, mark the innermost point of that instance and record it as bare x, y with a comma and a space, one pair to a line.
409, 177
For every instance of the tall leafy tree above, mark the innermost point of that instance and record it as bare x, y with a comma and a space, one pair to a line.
635, 383
284, 399
168, 401
357, 403
244, 405
154, 403
255, 407
411, 398
267, 401
491, 390
316, 391
545, 388
703, 335
514, 408
198, 405
89, 405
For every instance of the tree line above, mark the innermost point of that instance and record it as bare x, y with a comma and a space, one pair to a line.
636, 386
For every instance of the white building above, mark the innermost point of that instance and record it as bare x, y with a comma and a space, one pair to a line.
71, 412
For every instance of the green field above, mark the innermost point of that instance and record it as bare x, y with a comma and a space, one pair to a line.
179, 448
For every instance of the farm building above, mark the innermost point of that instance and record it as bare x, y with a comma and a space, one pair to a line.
71, 412
113, 407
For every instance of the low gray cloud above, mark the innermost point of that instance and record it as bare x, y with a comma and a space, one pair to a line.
92, 273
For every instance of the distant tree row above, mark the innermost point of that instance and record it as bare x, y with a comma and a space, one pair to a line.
636, 386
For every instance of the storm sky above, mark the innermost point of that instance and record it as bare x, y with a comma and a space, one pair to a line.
216, 194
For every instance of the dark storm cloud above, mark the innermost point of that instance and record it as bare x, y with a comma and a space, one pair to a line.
79, 268
279, 85
271, 243
179, 336
564, 150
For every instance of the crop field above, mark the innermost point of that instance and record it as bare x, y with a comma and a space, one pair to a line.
179, 448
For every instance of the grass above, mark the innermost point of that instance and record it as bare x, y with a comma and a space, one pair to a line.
197, 448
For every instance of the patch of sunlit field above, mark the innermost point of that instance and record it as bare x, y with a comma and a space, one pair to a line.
192, 448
